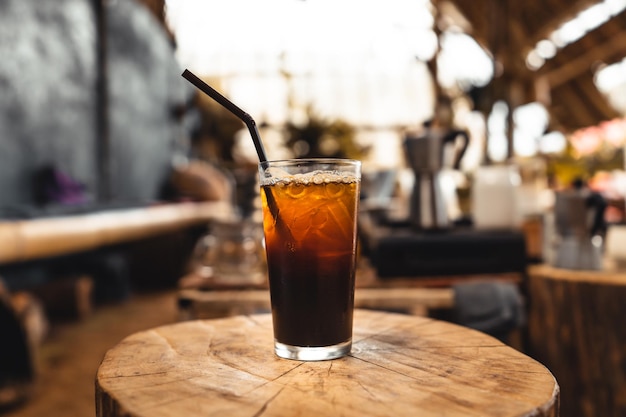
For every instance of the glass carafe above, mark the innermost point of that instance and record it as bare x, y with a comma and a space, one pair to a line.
232, 253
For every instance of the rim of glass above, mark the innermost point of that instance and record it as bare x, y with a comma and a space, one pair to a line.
310, 161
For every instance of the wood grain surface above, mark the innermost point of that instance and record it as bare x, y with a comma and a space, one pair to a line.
576, 327
400, 365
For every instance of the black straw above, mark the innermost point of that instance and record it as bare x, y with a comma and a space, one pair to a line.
234, 109
254, 132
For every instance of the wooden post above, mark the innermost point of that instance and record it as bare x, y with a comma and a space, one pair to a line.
103, 145
576, 328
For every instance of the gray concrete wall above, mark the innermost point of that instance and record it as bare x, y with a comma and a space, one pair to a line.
48, 67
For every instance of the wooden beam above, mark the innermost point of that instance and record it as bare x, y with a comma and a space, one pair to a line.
599, 104
567, 11
575, 67
572, 110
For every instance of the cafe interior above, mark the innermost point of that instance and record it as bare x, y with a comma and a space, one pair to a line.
491, 135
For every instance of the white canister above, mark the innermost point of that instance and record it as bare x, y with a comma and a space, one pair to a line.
495, 197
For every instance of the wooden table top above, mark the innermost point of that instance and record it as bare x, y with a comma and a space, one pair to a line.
400, 365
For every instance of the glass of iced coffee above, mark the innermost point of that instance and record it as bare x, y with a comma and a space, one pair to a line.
309, 220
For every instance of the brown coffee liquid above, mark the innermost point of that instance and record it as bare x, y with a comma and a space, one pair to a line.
311, 260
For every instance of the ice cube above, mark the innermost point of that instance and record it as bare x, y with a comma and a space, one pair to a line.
342, 217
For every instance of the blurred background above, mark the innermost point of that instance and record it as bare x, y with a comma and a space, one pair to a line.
88, 87
521, 106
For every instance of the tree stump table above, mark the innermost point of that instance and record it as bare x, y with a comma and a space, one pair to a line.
400, 365
576, 328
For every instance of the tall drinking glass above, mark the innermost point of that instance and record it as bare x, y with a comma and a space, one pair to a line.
309, 219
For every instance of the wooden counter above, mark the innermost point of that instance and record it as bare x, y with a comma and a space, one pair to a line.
400, 365
576, 328
25, 240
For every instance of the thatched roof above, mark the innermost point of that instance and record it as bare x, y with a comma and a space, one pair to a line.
511, 28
